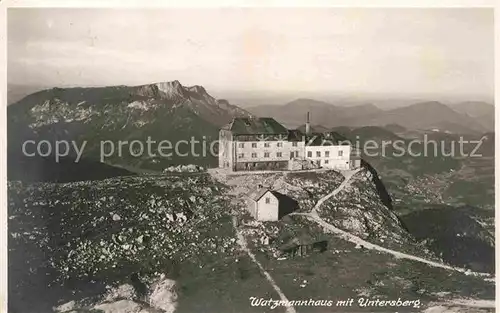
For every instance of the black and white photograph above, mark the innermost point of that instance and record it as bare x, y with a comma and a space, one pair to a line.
250, 159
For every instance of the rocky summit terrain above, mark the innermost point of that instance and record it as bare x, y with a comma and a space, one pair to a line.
65, 236
167, 243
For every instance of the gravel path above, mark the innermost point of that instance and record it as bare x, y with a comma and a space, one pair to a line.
313, 215
242, 242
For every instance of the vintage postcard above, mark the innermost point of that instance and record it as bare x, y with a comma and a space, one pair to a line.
250, 159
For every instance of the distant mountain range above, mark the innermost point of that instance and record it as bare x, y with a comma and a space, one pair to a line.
16, 92
322, 113
482, 112
466, 117
171, 111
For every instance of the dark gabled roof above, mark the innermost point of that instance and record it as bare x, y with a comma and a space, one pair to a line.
257, 193
326, 139
256, 126
295, 135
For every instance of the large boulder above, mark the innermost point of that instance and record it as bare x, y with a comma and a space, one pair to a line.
121, 306
163, 295
125, 291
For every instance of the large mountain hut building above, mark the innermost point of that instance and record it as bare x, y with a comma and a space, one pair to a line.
249, 144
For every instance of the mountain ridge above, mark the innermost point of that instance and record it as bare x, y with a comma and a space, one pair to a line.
160, 111
424, 115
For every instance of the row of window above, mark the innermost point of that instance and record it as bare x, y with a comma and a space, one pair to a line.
266, 144
280, 154
327, 154
266, 155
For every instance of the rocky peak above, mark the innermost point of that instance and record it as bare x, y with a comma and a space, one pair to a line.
173, 89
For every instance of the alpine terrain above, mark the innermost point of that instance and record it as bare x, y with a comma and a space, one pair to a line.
123, 235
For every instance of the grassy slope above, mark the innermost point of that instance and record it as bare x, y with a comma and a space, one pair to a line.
225, 287
344, 271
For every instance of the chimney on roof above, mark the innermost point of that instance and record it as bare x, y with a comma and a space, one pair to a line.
308, 125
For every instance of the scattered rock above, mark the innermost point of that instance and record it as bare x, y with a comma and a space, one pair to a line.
441, 294
121, 306
125, 291
190, 168
68, 306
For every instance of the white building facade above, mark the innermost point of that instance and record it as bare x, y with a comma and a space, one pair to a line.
334, 157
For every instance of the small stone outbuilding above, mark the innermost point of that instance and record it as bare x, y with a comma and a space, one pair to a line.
265, 204
302, 245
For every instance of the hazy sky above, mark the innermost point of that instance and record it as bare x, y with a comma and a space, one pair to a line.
388, 51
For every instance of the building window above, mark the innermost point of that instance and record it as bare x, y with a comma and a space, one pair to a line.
268, 200
294, 144
341, 153
254, 155
242, 145
327, 154
266, 144
278, 154
279, 144
309, 154
254, 145
326, 161
318, 154
266, 154
241, 156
